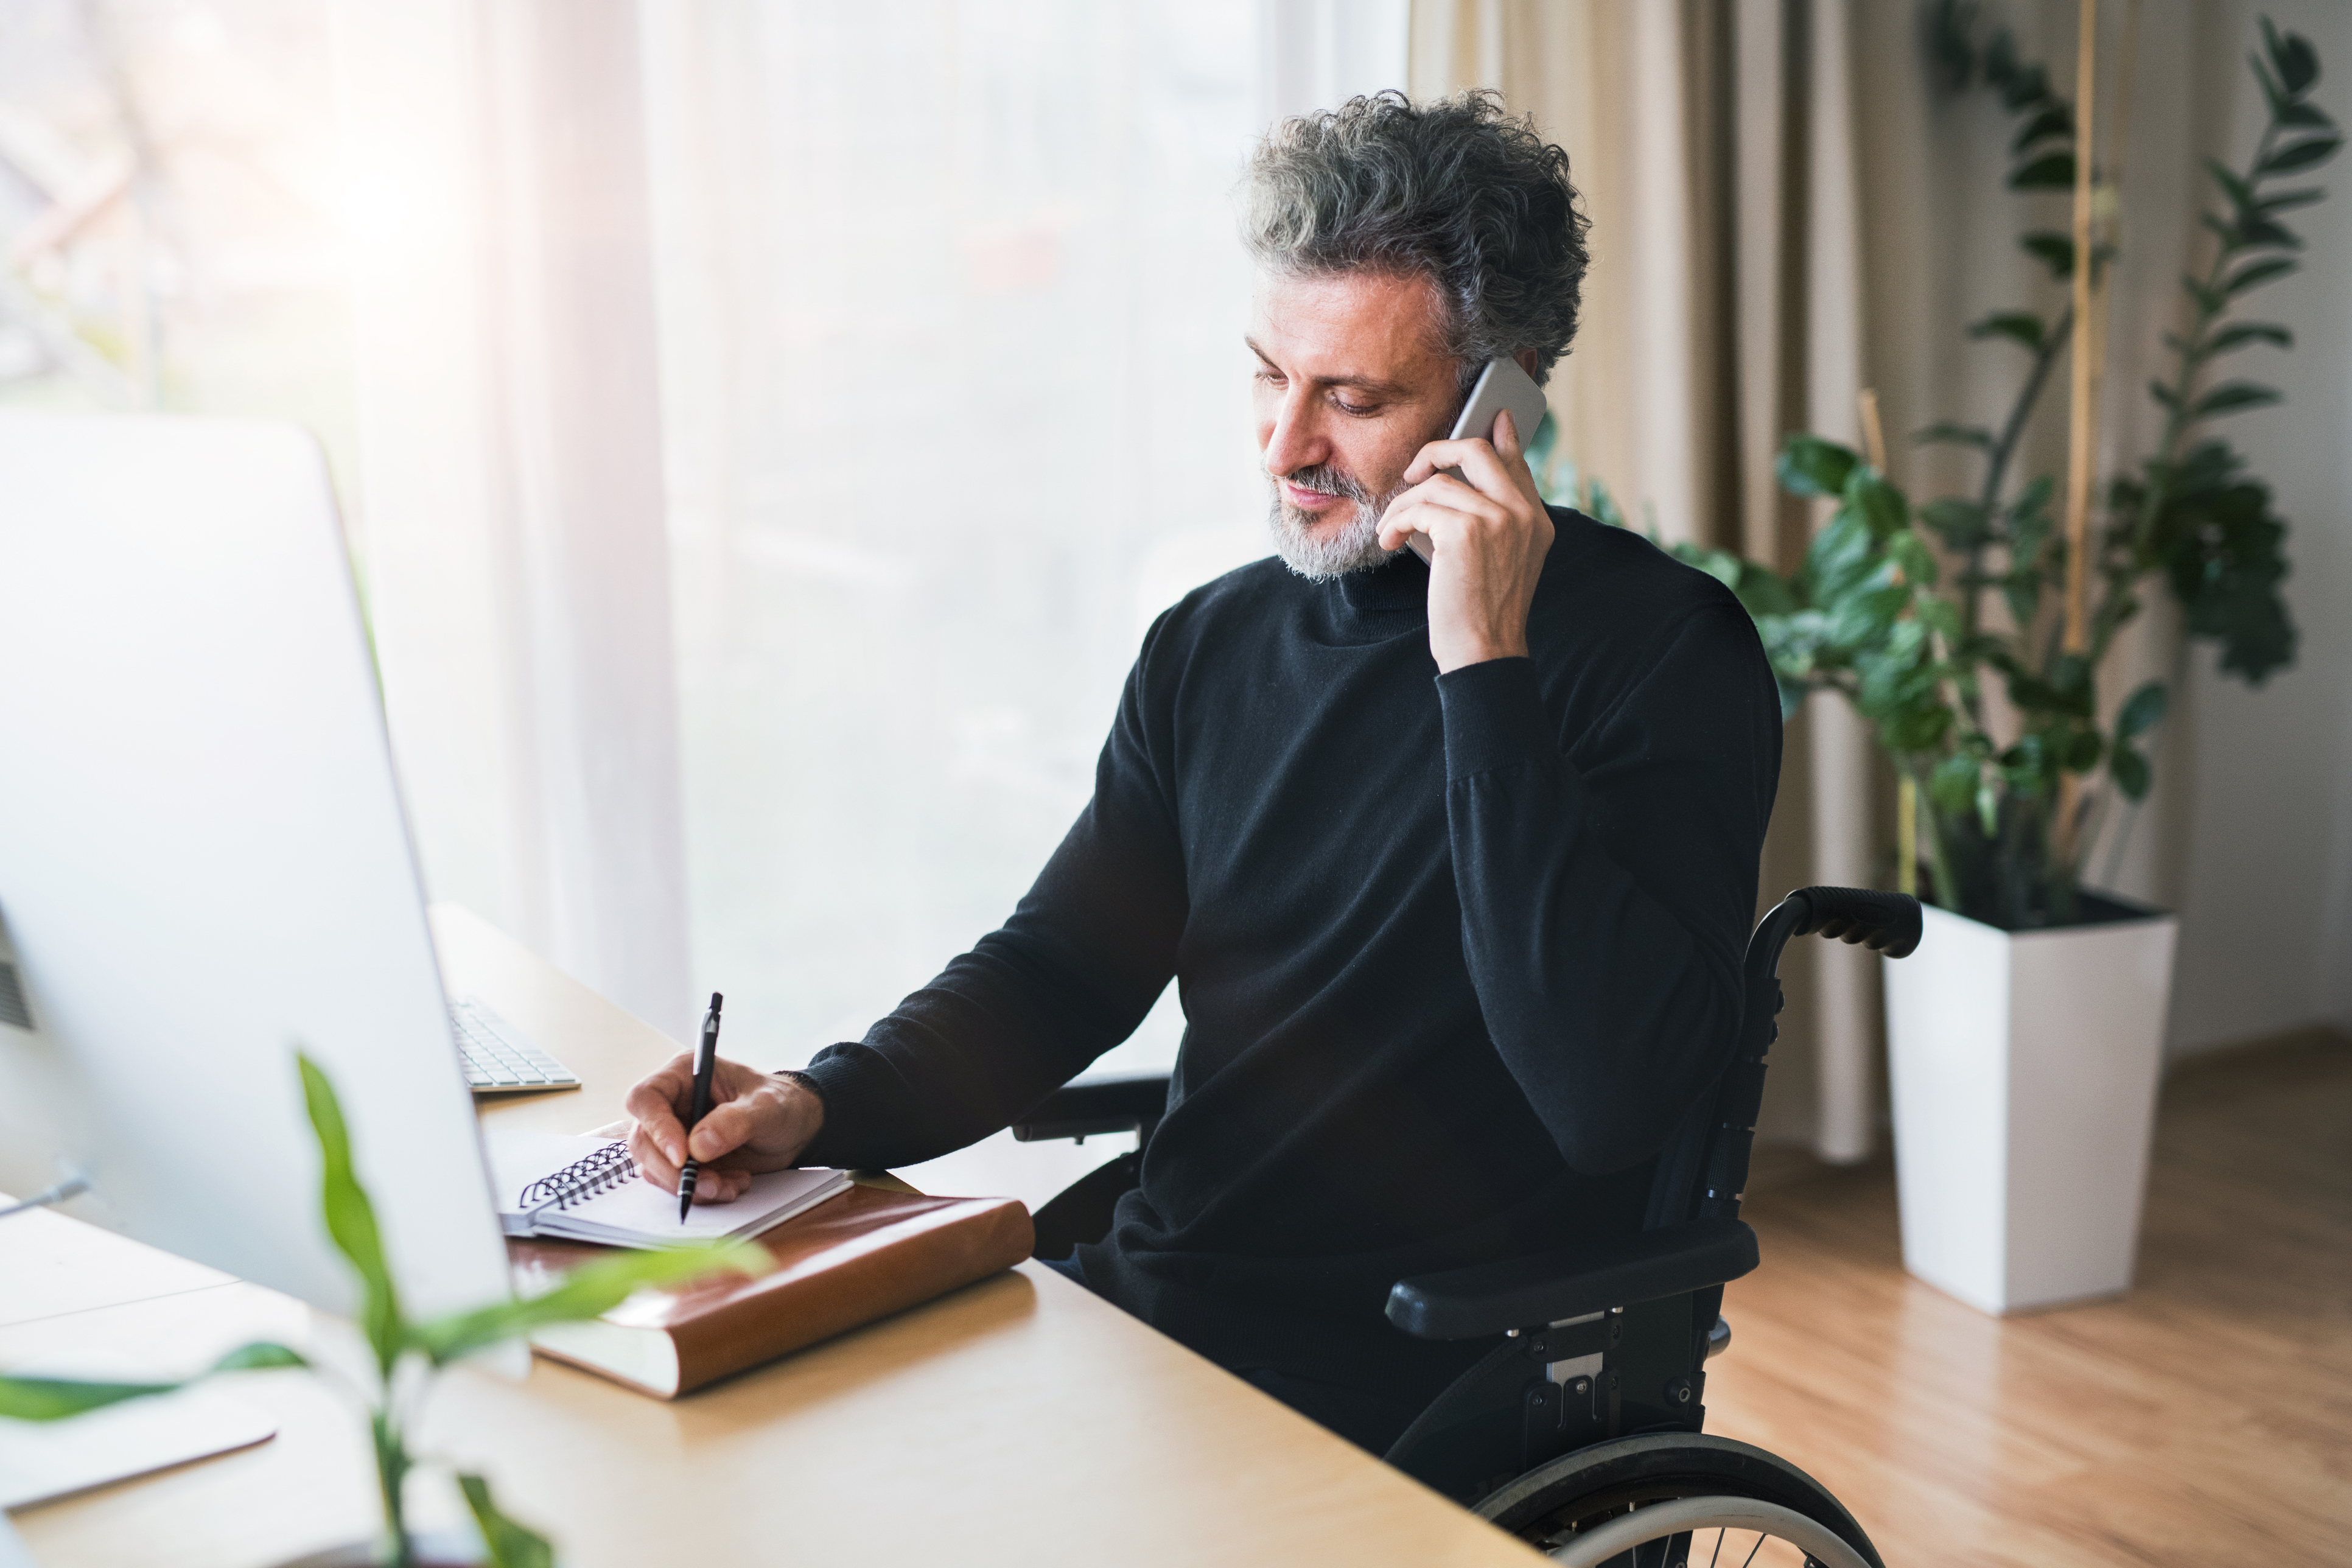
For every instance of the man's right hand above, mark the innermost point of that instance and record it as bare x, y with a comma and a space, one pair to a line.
757, 1123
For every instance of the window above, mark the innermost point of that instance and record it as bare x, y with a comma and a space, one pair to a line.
169, 227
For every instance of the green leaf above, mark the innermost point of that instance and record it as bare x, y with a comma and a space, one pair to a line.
510, 1545
1792, 642
2029, 533
2254, 274
2256, 230
2129, 770
1958, 522
2238, 334
1765, 591
2164, 394
1953, 784
2049, 171
351, 1217
2084, 750
2022, 85
1946, 432
1988, 807
2019, 326
1918, 730
2286, 201
1881, 504
2306, 154
1841, 559
2305, 114
2233, 397
2057, 119
1895, 675
2297, 63
2054, 249
2222, 549
2273, 94
2028, 765
1600, 505
54, 1398
1910, 552
2029, 514
1808, 466
2141, 711
2241, 195
260, 1356
2071, 673
1859, 620
2253, 230
1950, 46
587, 1292
2035, 695
1720, 564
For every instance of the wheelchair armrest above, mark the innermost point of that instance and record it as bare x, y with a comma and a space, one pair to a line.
1114, 1102
1547, 1287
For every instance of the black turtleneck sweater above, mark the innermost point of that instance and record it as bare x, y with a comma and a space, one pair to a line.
1457, 952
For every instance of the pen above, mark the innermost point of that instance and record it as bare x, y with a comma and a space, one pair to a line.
704, 1055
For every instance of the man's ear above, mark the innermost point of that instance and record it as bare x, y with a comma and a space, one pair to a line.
1527, 358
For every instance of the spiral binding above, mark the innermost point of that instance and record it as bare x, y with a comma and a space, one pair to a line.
583, 1179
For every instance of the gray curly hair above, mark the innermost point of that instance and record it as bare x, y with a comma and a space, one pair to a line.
1454, 190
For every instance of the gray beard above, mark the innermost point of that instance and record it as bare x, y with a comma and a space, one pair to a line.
1355, 546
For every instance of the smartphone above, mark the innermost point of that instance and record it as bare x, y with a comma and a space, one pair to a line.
1502, 384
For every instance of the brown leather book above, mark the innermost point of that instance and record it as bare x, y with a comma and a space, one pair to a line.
864, 1254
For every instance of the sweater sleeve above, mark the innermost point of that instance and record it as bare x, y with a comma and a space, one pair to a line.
1086, 953
1605, 900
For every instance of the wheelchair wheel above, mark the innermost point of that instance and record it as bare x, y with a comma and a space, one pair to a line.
1667, 1499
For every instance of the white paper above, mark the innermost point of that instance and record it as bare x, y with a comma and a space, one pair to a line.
635, 1213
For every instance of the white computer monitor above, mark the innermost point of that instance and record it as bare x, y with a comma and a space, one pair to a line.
204, 862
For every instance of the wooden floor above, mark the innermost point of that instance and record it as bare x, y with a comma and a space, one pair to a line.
2205, 1419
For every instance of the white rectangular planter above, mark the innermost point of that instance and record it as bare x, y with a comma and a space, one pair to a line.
2024, 1067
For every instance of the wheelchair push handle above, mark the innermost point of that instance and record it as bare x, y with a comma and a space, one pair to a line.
1885, 923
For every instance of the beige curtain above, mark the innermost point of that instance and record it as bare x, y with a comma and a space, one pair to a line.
1714, 145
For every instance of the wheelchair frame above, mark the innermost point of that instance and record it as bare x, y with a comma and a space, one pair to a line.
1597, 1378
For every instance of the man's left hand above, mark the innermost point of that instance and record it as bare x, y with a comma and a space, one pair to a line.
1488, 541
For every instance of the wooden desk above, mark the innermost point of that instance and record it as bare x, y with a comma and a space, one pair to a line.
1021, 1420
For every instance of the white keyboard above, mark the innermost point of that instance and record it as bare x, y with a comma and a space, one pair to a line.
498, 1057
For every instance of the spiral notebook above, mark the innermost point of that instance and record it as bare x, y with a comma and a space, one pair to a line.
589, 1189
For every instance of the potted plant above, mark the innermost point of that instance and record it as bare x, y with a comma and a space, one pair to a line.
1970, 631
406, 1356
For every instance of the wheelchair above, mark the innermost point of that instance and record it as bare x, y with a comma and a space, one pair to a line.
1580, 1431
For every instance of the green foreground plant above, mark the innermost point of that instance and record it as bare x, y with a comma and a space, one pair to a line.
1915, 615
407, 1354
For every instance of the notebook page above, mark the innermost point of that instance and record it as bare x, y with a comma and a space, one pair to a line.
637, 1212
634, 1211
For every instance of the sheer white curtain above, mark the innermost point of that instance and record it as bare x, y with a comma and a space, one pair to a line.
510, 471
950, 304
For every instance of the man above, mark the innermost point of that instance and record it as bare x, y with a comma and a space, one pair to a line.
1453, 865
